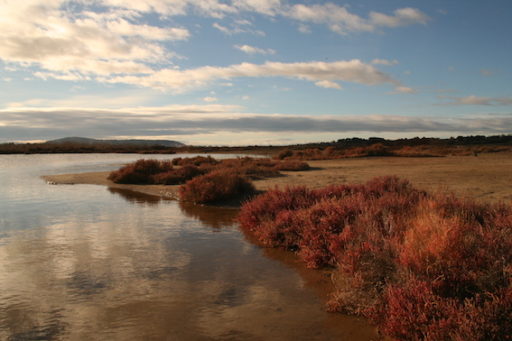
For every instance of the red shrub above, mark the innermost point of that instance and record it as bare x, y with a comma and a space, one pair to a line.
140, 172
486, 317
413, 312
267, 206
323, 224
285, 231
466, 252
422, 266
253, 168
177, 176
215, 186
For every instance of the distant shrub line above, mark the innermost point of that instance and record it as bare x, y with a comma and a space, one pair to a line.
381, 149
421, 266
205, 179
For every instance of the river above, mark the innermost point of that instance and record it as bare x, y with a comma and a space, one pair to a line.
85, 262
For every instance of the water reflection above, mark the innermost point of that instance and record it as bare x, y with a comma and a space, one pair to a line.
215, 217
110, 265
135, 197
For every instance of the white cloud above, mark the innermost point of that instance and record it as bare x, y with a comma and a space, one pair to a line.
224, 29
131, 98
268, 7
110, 41
404, 90
328, 84
167, 8
73, 44
353, 71
400, 17
210, 99
254, 50
237, 28
337, 17
340, 20
478, 100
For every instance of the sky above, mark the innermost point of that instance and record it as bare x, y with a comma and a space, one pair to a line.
237, 72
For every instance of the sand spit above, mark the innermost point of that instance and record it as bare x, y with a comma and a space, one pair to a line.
100, 178
486, 177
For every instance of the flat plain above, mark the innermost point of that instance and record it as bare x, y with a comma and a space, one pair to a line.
486, 177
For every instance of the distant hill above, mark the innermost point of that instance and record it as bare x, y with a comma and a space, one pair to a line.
143, 143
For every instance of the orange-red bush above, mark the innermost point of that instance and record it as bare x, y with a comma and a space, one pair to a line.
177, 176
140, 172
422, 266
215, 186
162, 172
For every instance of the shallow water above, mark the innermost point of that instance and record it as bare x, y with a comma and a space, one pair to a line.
88, 262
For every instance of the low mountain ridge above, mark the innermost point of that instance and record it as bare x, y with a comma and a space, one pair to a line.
131, 142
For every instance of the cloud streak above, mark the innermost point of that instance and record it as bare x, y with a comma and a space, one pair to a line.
340, 20
323, 74
253, 50
216, 119
478, 100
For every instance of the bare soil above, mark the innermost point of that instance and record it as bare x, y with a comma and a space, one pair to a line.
486, 177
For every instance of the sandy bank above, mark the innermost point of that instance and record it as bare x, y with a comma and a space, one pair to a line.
100, 178
486, 177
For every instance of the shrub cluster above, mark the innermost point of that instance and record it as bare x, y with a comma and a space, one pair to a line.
206, 179
380, 149
180, 170
177, 176
215, 186
423, 267
140, 172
